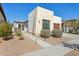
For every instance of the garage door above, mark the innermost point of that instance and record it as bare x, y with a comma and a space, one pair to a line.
56, 26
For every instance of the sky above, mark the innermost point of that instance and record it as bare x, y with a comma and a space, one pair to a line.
20, 11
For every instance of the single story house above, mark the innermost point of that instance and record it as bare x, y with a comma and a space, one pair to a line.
21, 25
41, 18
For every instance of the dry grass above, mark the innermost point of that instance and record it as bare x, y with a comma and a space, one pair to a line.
53, 40
16, 47
73, 53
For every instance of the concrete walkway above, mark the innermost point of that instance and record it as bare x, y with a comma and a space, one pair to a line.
56, 50
37, 40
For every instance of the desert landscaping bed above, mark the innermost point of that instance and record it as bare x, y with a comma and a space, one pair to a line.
14, 47
53, 40
73, 53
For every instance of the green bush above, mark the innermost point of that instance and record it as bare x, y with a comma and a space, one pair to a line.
57, 33
45, 33
1, 31
18, 33
5, 29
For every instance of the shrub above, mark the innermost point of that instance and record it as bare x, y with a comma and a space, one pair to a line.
6, 38
18, 33
45, 33
57, 33
5, 29
9, 37
1, 31
21, 38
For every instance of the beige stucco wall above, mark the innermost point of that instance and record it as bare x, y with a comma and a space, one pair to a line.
41, 15
57, 20
37, 15
32, 21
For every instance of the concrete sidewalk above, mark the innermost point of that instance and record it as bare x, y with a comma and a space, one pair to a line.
36, 40
56, 50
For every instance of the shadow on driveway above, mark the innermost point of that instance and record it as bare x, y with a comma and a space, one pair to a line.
71, 45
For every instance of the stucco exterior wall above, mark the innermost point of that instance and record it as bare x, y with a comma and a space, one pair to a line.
32, 21
57, 20
36, 17
22, 28
41, 15
16, 25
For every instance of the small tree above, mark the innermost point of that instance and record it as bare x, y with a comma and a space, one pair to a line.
5, 30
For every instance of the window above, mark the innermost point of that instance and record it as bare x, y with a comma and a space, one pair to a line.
46, 24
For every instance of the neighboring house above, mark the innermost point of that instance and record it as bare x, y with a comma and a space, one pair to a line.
2, 15
71, 26
21, 25
66, 26
41, 18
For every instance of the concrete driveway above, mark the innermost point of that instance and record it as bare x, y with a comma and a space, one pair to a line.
54, 50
